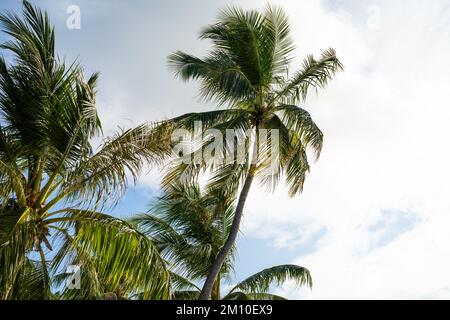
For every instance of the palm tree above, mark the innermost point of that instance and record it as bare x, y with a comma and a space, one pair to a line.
189, 227
53, 184
247, 70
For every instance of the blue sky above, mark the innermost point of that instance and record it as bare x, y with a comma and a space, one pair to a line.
373, 220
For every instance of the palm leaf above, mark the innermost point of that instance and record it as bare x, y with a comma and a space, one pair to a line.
315, 74
104, 176
122, 256
252, 296
261, 281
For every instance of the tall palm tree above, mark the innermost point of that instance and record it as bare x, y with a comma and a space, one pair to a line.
189, 227
52, 182
247, 69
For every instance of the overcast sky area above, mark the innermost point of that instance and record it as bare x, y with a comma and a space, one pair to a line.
374, 219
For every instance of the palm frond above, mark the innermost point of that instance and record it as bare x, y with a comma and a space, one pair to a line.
181, 283
32, 283
299, 121
261, 281
304, 134
104, 176
220, 77
186, 295
206, 120
252, 296
122, 256
236, 28
17, 235
278, 42
315, 74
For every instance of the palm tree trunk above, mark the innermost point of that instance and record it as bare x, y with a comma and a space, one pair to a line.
215, 294
208, 285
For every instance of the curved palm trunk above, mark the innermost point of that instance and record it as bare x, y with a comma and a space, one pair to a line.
215, 294
208, 286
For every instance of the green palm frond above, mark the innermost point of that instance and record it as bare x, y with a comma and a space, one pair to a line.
32, 283
173, 245
104, 176
207, 120
300, 122
13, 183
264, 296
296, 168
252, 296
119, 254
34, 32
261, 281
181, 283
17, 235
227, 179
185, 295
237, 295
273, 153
279, 44
235, 28
314, 74
221, 78
92, 285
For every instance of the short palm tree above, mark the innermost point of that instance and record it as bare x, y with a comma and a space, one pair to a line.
190, 227
52, 183
247, 70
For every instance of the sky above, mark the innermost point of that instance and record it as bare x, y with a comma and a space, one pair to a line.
373, 220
